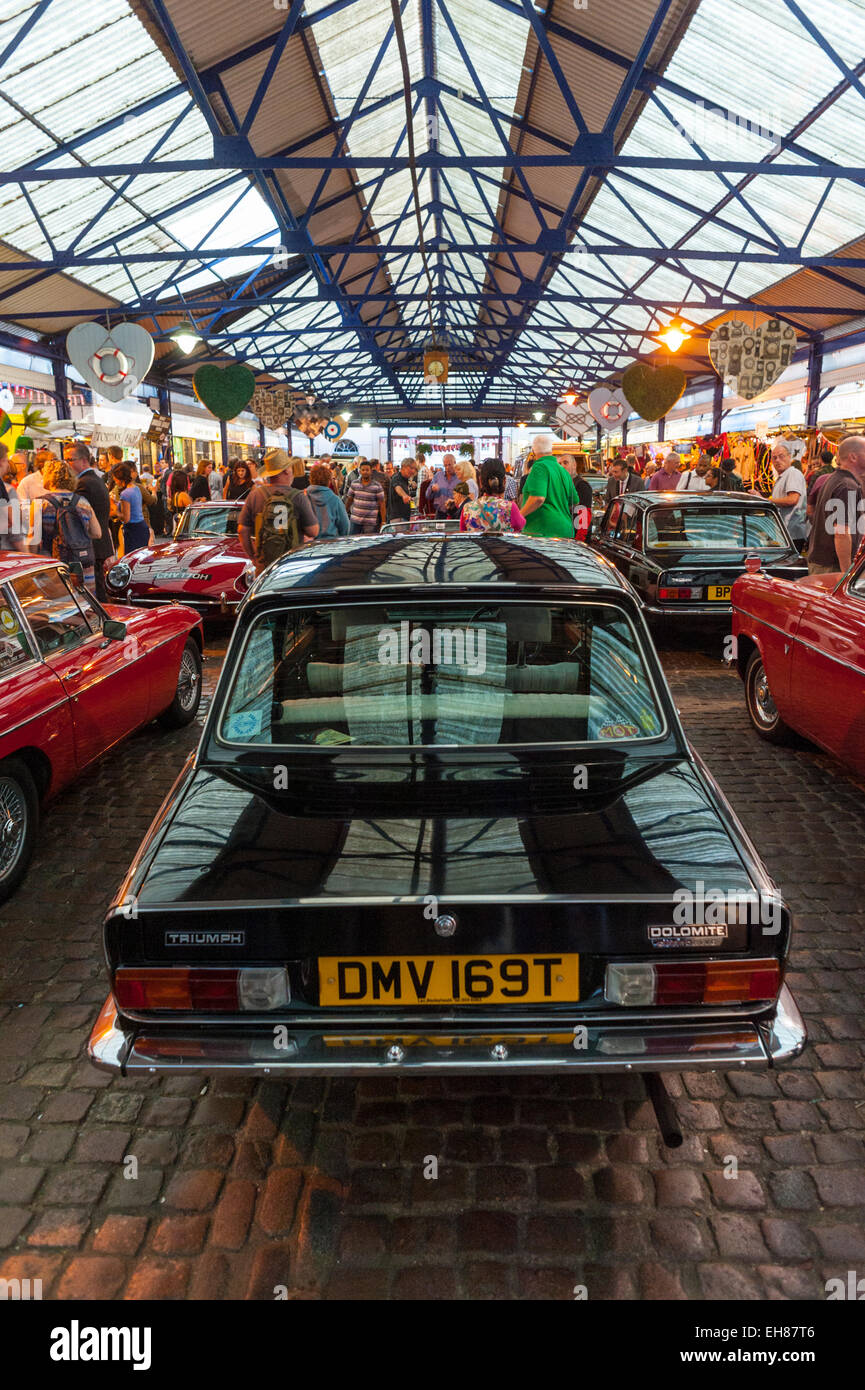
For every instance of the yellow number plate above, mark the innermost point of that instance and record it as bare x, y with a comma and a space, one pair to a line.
720, 591
407, 981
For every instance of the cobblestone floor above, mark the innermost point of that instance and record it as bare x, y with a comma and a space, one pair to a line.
543, 1185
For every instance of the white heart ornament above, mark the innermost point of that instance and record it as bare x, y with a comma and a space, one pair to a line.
575, 419
113, 361
609, 408
750, 360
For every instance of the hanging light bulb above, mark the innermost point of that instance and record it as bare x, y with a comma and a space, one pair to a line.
674, 336
570, 398
186, 336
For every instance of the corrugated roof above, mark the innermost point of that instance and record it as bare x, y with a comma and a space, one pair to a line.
99, 81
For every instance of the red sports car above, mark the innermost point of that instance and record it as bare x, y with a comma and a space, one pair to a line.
76, 678
800, 649
203, 566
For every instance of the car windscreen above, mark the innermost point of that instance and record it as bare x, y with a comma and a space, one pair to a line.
440, 674
711, 528
220, 521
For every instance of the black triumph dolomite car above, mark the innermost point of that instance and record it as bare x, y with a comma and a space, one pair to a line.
683, 552
443, 816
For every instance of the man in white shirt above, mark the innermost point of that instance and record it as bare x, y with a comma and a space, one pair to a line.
790, 493
694, 480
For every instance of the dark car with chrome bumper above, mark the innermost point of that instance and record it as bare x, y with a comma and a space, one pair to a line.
444, 817
683, 552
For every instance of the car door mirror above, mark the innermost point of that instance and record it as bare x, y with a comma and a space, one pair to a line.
114, 631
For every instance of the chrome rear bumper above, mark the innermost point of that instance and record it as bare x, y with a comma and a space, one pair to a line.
140, 1049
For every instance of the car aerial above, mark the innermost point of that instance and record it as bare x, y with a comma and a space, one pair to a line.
204, 564
75, 678
443, 816
683, 553
800, 650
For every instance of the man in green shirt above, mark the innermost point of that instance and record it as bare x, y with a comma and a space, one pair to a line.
549, 496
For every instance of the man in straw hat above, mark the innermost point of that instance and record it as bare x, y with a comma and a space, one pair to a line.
275, 517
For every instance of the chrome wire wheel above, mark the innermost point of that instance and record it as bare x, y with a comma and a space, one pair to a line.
188, 681
14, 819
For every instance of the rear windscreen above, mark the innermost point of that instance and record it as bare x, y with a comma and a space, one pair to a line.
703, 528
422, 675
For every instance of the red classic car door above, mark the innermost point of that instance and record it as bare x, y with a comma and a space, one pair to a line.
34, 709
828, 671
105, 700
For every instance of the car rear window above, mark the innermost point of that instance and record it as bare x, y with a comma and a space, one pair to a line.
705, 528
419, 675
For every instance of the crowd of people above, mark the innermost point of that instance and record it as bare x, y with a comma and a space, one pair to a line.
85, 510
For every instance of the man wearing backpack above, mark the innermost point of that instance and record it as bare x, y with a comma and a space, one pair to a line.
275, 517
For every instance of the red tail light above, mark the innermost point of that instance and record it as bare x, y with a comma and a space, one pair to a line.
643, 983
205, 989
176, 988
717, 982
665, 594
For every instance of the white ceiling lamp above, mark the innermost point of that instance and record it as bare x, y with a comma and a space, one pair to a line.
186, 336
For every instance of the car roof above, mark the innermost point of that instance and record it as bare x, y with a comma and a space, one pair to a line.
458, 560
695, 499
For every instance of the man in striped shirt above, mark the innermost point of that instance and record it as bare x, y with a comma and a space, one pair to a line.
365, 503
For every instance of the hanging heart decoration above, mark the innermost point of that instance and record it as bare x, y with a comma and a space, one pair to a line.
113, 361
273, 405
224, 391
652, 391
312, 417
575, 419
750, 359
608, 408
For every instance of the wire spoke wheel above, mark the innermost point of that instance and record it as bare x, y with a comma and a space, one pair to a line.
188, 681
14, 819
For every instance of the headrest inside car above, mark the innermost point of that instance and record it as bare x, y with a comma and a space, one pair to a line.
343, 618
528, 624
